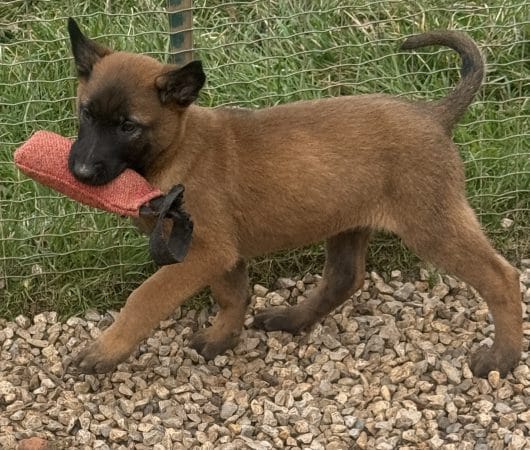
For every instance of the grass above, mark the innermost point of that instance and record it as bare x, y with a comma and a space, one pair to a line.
56, 254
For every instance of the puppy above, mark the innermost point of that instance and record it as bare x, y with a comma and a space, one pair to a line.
360, 163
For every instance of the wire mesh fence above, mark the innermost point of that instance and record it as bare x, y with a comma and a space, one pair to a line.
58, 254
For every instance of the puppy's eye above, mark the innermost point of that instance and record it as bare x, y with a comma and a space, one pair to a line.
85, 114
128, 127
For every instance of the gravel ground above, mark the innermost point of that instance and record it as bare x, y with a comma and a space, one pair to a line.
387, 370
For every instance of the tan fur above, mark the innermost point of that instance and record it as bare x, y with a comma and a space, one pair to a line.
282, 177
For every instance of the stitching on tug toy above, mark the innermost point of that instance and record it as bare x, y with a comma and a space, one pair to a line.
44, 157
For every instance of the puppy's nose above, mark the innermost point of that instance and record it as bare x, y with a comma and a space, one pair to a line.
87, 172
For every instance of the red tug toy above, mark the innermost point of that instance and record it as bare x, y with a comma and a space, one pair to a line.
44, 157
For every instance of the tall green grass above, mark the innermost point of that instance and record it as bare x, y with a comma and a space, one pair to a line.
57, 254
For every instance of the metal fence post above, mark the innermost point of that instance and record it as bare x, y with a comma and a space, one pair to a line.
180, 31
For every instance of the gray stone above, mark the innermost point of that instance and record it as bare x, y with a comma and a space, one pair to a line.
453, 374
117, 435
404, 292
406, 418
228, 410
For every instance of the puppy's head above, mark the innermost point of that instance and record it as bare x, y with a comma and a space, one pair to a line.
128, 107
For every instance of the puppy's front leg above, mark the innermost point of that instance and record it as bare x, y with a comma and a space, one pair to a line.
230, 291
153, 301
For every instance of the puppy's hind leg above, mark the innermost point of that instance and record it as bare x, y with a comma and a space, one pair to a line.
343, 275
230, 291
457, 244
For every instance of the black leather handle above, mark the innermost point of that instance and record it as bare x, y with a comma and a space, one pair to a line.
169, 248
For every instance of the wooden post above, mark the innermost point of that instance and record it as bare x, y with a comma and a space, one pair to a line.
180, 33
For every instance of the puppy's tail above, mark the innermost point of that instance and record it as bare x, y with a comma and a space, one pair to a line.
453, 107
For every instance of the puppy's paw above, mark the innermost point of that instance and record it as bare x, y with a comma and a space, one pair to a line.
487, 359
95, 359
210, 344
281, 319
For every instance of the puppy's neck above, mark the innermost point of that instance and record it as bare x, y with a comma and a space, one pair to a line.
193, 136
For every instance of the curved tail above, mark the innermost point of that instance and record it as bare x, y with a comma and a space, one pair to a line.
453, 107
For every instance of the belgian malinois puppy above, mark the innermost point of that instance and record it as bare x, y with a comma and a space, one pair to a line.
361, 162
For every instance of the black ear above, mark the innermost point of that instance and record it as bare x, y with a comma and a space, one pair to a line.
182, 85
86, 52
